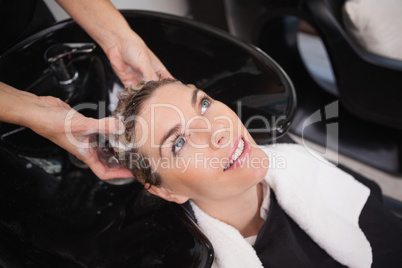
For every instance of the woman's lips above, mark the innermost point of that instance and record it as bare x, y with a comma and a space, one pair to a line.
235, 145
243, 157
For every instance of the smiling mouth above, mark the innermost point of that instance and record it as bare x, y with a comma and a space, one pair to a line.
235, 155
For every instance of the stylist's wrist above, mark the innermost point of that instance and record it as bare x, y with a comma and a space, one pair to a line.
28, 111
117, 41
116, 36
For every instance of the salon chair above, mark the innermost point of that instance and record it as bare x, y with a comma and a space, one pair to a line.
54, 211
367, 88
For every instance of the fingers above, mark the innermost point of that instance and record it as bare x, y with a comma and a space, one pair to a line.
145, 67
104, 173
164, 73
85, 125
91, 156
111, 126
143, 63
89, 151
158, 68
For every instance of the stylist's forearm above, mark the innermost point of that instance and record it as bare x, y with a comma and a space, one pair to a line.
99, 18
16, 106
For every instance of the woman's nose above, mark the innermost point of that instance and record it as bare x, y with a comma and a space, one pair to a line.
209, 134
219, 137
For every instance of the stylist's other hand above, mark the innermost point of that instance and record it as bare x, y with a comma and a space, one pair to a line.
58, 122
130, 57
134, 62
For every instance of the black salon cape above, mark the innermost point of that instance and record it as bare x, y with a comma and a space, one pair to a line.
281, 242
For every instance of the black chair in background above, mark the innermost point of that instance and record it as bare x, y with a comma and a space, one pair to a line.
368, 87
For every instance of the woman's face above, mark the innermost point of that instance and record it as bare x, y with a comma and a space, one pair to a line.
198, 145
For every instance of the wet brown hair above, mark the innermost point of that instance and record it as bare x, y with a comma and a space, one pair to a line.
130, 105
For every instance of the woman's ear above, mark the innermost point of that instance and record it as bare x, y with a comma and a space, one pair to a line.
166, 194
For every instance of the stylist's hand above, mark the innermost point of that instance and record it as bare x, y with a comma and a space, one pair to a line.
58, 122
134, 62
130, 57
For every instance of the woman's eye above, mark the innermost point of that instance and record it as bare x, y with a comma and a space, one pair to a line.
178, 144
204, 105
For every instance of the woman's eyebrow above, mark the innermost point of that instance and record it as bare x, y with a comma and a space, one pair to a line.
176, 128
194, 97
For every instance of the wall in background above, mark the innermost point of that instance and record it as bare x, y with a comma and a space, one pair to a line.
175, 7
208, 11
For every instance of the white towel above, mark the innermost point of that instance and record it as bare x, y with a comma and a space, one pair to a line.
231, 250
325, 201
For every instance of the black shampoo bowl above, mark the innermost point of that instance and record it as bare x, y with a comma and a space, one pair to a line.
54, 211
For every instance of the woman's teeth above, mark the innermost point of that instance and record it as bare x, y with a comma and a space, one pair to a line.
236, 154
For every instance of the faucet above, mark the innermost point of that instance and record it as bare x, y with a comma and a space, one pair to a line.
58, 56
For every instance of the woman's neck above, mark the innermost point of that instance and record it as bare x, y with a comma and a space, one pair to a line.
242, 212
